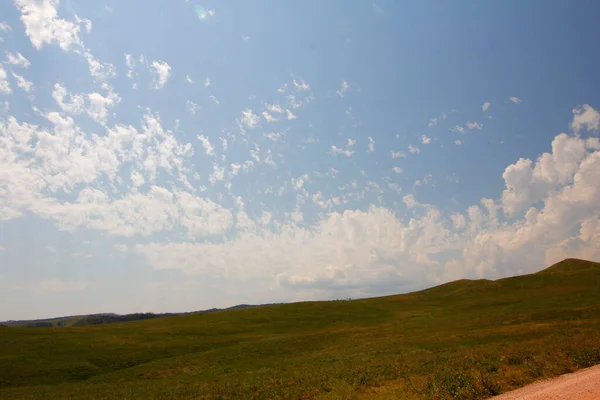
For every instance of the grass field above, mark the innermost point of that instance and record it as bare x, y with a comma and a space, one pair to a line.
461, 340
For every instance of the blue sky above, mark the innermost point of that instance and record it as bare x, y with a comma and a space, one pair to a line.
186, 155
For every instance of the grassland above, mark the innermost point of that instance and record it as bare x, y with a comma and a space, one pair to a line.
461, 340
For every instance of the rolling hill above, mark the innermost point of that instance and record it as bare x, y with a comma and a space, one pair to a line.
461, 340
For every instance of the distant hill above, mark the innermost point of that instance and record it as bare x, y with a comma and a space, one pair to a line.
467, 340
108, 318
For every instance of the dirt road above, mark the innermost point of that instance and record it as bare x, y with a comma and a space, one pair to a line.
580, 385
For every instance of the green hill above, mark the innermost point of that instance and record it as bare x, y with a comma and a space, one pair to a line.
461, 340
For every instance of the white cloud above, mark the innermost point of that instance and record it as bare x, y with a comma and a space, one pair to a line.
515, 100
425, 139
274, 136
4, 27
204, 14
274, 108
162, 71
458, 129
527, 183
458, 142
486, 106
398, 154
218, 174
249, 119
35, 163
398, 170
98, 70
290, 115
474, 125
269, 117
4, 83
137, 179
208, 147
17, 59
76, 105
23, 83
207, 82
585, 117
192, 107
371, 148
130, 62
188, 79
283, 88
214, 99
294, 102
342, 151
43, 26
245, 38
413, 149
343, 88
432, 122
298, 183
300, 85
99, 105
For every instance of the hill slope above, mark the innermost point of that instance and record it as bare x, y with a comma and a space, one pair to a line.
465, 340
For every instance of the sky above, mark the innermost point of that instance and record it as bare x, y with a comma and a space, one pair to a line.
183, 155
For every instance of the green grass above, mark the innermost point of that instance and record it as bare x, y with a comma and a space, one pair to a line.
462, 340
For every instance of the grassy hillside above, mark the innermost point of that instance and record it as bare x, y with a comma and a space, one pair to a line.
463, 340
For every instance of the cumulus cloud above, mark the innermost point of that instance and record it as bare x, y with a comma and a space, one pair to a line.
371, 146
23, 83
515, 100
374, 247
249, 119
342, 151
192, 107
99, 70
274, 136
486, 106
208, 147
398, 154
130, 62
398, 170
425, 139
458, 129
4, 83
269, 117
344, 86
290, 115
43, 26
17, 59
474, 125
100, 105
458, 142
346, 150
585, 118
301, 85
75, 103
204, 14
37, 162
162, 70
413, 149
528, 182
